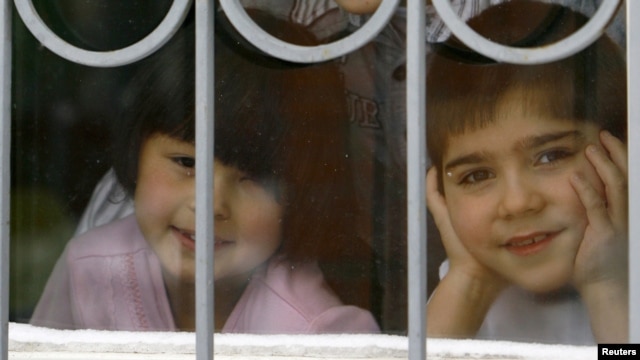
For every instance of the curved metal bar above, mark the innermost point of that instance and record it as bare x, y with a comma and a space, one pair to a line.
307, 54
570, 45
130, 54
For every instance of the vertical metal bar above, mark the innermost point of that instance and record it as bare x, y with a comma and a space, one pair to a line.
204, 179
633, 86
5, 178
416, 164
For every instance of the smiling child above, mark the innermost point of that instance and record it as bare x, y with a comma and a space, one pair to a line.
283, 202
528, 190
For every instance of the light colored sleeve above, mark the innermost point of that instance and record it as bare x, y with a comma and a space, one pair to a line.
55, 308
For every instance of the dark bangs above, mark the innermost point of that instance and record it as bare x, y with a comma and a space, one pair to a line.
587, 87
248, 124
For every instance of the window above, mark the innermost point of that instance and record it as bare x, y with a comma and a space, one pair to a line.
61, 114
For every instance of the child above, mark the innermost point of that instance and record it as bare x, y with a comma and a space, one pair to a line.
528, 191
283, 199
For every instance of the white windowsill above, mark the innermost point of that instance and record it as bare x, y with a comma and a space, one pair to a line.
28, 342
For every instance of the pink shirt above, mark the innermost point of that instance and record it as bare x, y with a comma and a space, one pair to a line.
108, 278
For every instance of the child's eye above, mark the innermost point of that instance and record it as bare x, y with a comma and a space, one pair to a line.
476, 176
552, 156
185, 161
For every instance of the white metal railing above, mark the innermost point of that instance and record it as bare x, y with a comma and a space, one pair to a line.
579, 40
415, 127
124, 56
416, 177
307, 54
204, 179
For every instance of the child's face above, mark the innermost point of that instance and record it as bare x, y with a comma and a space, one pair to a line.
509, 197
247, 216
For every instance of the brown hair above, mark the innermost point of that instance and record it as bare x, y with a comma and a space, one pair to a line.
588, 87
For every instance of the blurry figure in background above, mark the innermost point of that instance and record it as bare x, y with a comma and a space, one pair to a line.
529, 192
375, 81
283, 203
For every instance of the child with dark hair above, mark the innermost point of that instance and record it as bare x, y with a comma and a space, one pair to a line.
529, 192
283, 203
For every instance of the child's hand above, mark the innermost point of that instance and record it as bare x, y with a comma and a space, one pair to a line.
459, 257
603, 252
461, 300
600, 272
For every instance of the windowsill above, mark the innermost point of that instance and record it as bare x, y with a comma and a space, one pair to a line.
28, 342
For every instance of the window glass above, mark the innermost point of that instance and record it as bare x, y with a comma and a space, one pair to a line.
528, 187
311, 176
310, 182
61, 116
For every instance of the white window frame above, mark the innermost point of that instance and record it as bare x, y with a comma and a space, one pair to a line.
416, 160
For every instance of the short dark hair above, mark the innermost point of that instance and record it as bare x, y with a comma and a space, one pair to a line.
589, 86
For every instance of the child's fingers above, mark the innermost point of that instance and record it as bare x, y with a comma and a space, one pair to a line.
457, 254
613, 176
595, 206
617, 150
435, 201
438, 207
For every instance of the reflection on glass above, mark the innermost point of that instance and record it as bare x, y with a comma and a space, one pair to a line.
528, 190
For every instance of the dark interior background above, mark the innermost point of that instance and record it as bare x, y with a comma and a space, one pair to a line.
61, 129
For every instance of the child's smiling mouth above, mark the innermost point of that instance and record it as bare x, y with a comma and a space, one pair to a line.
185, 237
529, 244
188, 239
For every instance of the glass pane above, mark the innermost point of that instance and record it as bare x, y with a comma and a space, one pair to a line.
375, 78
60, 116
61, 131
533, 221
309, 174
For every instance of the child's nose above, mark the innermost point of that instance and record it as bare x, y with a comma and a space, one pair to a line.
221, 209
520, 196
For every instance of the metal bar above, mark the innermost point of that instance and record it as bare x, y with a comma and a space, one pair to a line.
127, 55
633, 86
416, 165
204, 178
564, 48
5, 178
307, 54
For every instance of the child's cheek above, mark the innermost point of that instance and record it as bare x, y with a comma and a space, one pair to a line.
468, 224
